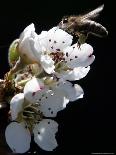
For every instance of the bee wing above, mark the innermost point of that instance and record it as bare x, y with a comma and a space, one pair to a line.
93, 14
94, 28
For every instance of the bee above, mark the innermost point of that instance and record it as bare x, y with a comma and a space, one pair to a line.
82, 25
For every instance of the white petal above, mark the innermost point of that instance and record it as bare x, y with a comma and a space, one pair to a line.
60, 39
26, 44
43, 39
42, 57
47, 63
79, 57
52, 102
56, 40
25, 51
16, 105
27, 31
75, 74
73, 92
42, 35
35, 48
17, 137
44, 134
32, 88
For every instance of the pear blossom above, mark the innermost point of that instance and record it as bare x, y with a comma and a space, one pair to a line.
48, 100
54, 47
71, 60
47, 90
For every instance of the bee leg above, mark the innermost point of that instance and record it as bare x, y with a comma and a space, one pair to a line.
82, 38
77, 36
78, 45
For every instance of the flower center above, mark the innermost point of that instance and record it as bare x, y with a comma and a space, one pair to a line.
30, 115
57, 56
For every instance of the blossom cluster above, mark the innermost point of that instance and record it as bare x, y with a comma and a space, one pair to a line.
42, 68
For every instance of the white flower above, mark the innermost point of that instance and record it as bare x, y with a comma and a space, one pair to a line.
47, 43
53, 52
57, 43
50, 99
52, 47
53, 99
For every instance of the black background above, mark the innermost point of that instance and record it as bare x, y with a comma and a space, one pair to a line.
87, 125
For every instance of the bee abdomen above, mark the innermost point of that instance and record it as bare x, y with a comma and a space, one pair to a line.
97, 29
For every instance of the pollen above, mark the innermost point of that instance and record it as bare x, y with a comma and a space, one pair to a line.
57, 56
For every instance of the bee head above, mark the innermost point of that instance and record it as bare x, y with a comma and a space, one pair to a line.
65, 19
63, 23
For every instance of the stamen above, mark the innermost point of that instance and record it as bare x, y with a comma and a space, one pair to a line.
67, 54
33, 94
51, 112
90, 55
58, 49
57, 56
